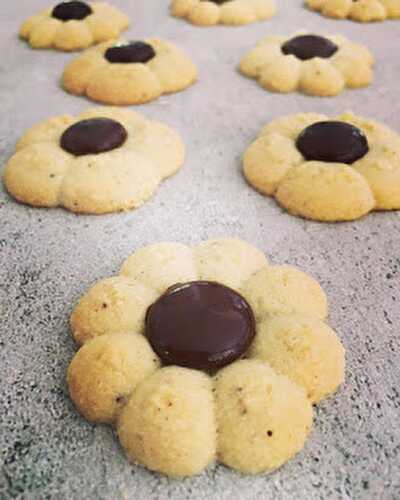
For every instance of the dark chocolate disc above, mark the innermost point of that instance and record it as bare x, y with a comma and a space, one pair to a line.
93, 136
308, 46
66, 11
217, 1
132, 52
332, 141
201, 325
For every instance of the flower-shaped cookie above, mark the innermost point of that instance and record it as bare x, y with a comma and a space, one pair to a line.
358, 10
134, 72
316, 65
73, 26
104, 160
232, 12
327, 169
162, 353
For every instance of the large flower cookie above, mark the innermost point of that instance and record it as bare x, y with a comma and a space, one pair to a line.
73, 25
232, 12
327, 169
134, 72
204, 353
357, 10
104, 160
316, 65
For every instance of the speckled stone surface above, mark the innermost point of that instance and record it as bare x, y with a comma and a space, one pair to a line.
48, 258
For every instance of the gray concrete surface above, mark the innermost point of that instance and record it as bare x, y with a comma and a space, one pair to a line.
48, 258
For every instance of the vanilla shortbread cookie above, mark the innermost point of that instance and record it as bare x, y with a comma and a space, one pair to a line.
73, 25
123, 73
162, 348
315, 65
358, 10
104, 160
232, 12
327, 169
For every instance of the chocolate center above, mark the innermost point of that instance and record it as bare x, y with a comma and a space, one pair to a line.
332, 141
201, 325
93, 136
308, 46
132, 52
66, 11
217, 1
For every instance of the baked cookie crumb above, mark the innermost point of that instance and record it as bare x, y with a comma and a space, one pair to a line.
73, 25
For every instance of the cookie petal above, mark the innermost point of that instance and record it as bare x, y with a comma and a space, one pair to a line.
172, 66
44, 33
78, 73
161, 144
304, 349
263, 418
282, 74
338, 9
34, 174
117, 180
169, 423
121, 84
261, 55
28, 26
106, 22
356, 73
73, 35
161, 265
268, 159
392, 8
228, 261
181, 8
264, 9
367, 10
237, 12
47, 131
319, 77
325, 192
382, 172
291, 126
284, 290
105, 371
113, 305
204, 14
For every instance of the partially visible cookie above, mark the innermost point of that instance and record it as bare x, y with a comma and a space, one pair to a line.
73, 25
326, 169
104, 160
316, 65
358, 10
231, 12
122, 73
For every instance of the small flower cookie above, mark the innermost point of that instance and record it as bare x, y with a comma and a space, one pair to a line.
315, 65
122, 73
104, 160
358, 10
232, 12
162, 357
326, 169
73, 26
